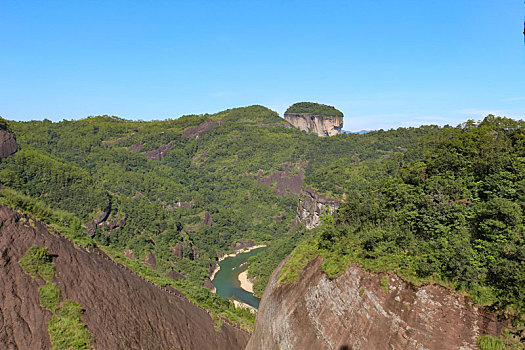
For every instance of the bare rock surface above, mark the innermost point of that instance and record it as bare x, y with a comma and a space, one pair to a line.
322, 126
122, 310
357, 311
199, 130
311, 206
159, 153
8, 145
287, 182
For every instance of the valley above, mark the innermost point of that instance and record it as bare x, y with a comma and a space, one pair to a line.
394, 221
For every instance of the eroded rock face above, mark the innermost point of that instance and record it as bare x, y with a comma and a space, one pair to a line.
322, 126
122, 311
202, 128
161, 152
312, 205
287, 182
358, 311
8, 145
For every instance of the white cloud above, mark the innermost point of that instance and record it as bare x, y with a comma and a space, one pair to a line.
514, 99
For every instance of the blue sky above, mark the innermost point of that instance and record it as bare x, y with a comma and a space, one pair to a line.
383, 63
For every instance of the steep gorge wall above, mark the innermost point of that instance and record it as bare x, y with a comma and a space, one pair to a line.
312, 205
122, 310
322, 126
359, 310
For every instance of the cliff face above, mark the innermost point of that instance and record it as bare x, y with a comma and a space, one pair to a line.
8, 145
311, 206
360, 310
122, 311
322, 126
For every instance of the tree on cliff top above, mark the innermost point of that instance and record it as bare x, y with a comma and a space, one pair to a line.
315, 109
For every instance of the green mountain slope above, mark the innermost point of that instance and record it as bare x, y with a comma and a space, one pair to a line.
185, 190
450, 213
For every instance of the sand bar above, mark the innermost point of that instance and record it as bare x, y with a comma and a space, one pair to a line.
246, 284
244, 250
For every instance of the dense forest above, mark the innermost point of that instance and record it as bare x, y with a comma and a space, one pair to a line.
431, 203
315, 109
449, 212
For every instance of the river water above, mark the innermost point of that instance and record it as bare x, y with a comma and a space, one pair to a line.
226, 280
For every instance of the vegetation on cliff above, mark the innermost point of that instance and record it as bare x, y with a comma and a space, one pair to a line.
147, 187
65, 328
317, 109
450, 211
432, 203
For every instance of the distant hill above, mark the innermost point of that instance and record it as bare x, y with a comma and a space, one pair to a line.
360, 132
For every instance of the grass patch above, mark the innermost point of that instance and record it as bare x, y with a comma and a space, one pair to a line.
37, 260
66, 329
301, 255
49, 296
217, 322
384, 283
507, 342
68, 224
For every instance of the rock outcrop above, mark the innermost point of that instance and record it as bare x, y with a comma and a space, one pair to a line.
199, 130
363, 310
322, 126
8, 145
122, 310
287, 182
312, 205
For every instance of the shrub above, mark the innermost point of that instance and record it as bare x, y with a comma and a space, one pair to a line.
66, 329
49, 296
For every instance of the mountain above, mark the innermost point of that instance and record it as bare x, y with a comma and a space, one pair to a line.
316, 118
363, 310
430, 255
120, 309
166, 199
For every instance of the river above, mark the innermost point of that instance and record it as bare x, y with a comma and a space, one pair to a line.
226, 280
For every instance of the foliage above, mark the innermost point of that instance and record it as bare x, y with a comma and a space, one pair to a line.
67, 174
453, 213
488, 342
264, 263
37, 260
314, 109
66, 329
302, 254
49, 296
68, 224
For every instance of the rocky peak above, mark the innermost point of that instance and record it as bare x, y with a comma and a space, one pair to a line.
317, 118
322, 126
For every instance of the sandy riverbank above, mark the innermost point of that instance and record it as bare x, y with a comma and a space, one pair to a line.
246, 284
244, 250
240, 305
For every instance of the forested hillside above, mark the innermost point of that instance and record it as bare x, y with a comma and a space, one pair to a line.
184, 189
168, 197
448, 212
